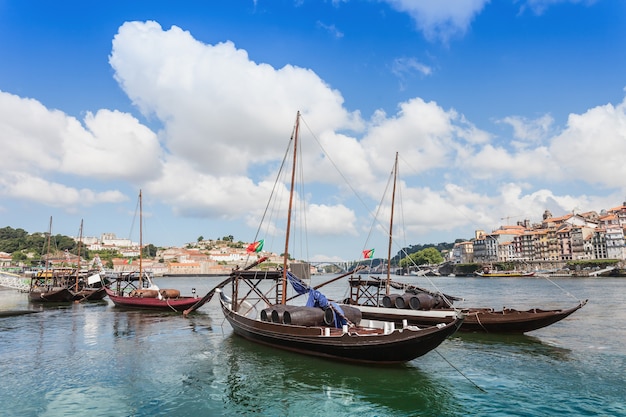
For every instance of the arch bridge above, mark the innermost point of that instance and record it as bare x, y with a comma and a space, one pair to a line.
342, 266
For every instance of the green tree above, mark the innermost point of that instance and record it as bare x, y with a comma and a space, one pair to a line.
149, 251
200, 238
423, 257
18, 256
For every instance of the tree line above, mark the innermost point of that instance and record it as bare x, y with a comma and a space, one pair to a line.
33, 248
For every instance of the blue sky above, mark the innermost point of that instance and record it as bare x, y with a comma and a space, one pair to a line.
498, 109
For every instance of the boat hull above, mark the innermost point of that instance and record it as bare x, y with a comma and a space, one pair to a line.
167, 304
90, 294
355, 345
57, 295
477, 319
504, 274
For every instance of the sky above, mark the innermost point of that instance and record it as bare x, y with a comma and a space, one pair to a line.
498, 110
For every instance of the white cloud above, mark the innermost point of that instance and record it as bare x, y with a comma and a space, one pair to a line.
540, 6
222, 112
27, 187
526, 130
442, 19
404, 68
592, 146
41, 146
331, 29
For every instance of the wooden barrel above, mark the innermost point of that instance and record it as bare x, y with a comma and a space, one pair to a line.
352, 313
389, 301
277, 312
144, 293
422, 301
170, 293
403, 300
266, 314
304, 316
441, 302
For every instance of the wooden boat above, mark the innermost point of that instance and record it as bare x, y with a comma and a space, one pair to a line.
360, 340
319, 327
148, 299
50, 285
417, 306
136, 290
87, 286
499, 274
90, 289
366, 294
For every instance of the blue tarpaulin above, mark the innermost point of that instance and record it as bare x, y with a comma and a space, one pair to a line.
317, 299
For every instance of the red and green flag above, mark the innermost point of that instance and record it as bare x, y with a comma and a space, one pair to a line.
129, 261
256, 246
368, 253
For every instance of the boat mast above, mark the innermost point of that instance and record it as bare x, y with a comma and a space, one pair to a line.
393, 198
140, 242
48, 250
80, 241
293, 176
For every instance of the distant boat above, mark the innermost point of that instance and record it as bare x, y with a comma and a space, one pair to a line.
257, 310
86, 288
511, 274
51, 284
136, 290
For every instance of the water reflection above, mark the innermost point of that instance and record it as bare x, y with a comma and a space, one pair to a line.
283, 383
511, 344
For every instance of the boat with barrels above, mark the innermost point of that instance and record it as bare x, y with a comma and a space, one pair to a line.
136, 289
262, 306
421, 307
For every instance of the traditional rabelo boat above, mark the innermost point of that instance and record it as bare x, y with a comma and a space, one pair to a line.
417, 306
88, 285
51, 284
136, 290
257, 310
492, 273
64, 284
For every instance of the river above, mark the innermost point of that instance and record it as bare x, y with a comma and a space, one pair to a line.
98, 360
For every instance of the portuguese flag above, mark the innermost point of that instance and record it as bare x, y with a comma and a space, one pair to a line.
256, 246
368, 253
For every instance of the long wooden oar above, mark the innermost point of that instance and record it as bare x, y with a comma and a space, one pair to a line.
210, 294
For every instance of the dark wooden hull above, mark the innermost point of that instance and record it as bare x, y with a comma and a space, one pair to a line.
357, 345
504, 274
90, 294
167, 304
478, 319
55, 295
513, 321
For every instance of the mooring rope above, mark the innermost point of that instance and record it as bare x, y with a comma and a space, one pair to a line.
459, 371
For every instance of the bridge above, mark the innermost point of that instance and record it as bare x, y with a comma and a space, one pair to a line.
14, 281
341, 265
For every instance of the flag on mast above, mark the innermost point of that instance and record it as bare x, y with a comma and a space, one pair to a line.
256, 246
368, 253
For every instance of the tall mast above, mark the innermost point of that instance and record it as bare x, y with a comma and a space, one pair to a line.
80, 241
393, 199
48, 250
293, 177
140, 241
